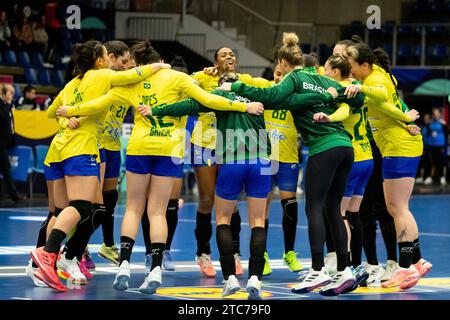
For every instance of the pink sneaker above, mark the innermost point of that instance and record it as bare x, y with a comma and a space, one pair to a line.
423, 266
84, 270
405, 278
90, 265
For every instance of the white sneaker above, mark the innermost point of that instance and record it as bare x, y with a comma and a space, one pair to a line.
391, 266
428, 181
331, 263
152, 281
230, 286
419, 180
342, 280
312, 280
443, 181
375, 271
254, 288
70, 268
30, 272
122, 276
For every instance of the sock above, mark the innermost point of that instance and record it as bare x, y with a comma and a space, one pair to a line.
76, 245
203, 233
266, 226
289, 222
42, 238
257, 245
369, 242
342, 260
172, 221
110, 198
417, 255
225, 245
356, 231
157, 254
145, 223
235, 226
126, 247
54, 241
406, 251
389, 234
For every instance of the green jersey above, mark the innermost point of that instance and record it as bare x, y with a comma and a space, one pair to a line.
241, 136
290, 94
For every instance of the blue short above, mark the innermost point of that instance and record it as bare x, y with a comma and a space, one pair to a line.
285, 175
102, 153
255, 178
113, 160
400, 167
83, 165
158, 165
358, 178
202, 157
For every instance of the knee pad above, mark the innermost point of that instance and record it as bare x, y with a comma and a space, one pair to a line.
57, 212
83, 207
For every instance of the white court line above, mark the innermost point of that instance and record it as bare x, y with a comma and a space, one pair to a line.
19, 298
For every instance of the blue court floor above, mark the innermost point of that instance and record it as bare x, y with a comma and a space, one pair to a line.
19, 227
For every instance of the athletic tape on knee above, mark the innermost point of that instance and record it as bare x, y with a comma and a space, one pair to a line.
83, 207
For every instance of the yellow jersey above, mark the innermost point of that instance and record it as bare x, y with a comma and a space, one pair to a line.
282, 134
387, 121
158, 136
356, 125
204, 132
95, 83
112, 130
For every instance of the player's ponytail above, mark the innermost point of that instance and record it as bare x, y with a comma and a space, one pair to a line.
382, 60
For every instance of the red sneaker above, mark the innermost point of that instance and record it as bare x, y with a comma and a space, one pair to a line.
46, 263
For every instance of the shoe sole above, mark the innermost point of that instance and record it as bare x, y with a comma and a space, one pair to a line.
266, 275
407, 284
358, 282
231, 291
168, 269
151, 288
293, 270
208, 275
106, 258
60, 288
309, 289
42, 277
38, 283
335, 291
254, 293
121, 282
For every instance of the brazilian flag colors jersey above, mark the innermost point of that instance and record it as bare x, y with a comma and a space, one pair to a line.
289, 94
95, 83
158, 136
204, 133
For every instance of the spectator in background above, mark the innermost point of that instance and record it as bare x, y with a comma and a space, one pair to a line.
47, 102
7, 137
436, 134
5, 31
28, 100
40, 36
23, 37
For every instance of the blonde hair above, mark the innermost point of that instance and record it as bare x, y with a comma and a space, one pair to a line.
290, 51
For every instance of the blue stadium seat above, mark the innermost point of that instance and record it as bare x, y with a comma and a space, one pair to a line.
24, 59
388, 48
417, 53
404, 51
38, 60
21, 159
439, 52
75, 35
44, 77
58, 77
67, 46
405, 30
437, 30
436, 6
18, 91
388, 27
30, 76
41, 153
421, 6
11, 58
